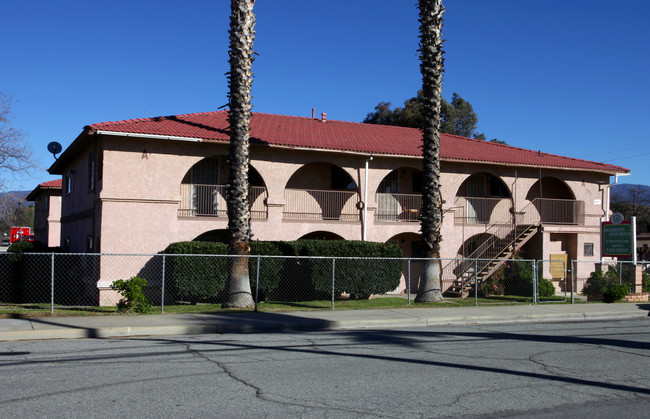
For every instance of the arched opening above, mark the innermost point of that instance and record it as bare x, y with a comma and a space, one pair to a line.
203, 190
321, 191
321, 235
412, 248
472, 244
219, 236
555, 202
399, 196
483, 198
550, 188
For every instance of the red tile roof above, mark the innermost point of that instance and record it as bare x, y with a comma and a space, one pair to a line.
299, 132
52, 184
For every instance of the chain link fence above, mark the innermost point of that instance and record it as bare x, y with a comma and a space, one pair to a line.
593, 278
32, 280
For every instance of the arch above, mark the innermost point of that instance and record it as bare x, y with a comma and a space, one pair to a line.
403, 180
555, 202
321, 235
399, 195
413, 247
483, 185
321, 175
483, 198
214, 171
203, 189
321, 191
220, 236
470, 245
551, 188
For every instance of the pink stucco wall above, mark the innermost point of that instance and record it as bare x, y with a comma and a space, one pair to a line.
134, 205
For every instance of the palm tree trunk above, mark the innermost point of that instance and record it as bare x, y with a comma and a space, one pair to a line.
242, 34
431, 67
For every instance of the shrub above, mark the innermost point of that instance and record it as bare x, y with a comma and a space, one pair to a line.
545, 288
132, 296
28, 278
492, 286
192, 276
646, 282
196, 278
598, 281
614, 292
312, 278
519, 280
22, 247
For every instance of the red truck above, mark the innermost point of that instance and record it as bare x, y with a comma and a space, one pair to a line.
21, 234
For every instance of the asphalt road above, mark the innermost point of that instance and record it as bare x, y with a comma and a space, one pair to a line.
586, 369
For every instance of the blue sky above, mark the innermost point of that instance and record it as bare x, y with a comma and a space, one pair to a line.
563, 77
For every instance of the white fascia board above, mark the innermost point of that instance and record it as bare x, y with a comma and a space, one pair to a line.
158, 137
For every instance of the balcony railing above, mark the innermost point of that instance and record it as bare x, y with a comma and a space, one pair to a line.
393, 207
560, 211
210, 201
314, 205
499, 211
470, 210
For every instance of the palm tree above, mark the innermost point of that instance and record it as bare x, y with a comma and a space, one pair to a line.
431, 67
242, 34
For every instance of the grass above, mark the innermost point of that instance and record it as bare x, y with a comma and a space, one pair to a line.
43, 310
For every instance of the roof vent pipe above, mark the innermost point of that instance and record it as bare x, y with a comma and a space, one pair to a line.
323, 117
313, 113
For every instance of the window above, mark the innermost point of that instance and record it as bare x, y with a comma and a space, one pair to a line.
68, 182
589, 249
91, 172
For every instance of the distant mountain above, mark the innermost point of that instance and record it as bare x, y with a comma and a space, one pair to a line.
13, 195
626, 192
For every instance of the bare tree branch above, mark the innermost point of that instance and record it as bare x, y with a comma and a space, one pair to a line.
15, 153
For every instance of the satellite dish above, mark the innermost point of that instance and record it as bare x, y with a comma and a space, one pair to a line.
54, 148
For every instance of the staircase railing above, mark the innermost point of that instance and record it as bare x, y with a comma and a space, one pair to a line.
501, 237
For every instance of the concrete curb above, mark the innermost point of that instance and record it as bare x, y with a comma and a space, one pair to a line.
82, 328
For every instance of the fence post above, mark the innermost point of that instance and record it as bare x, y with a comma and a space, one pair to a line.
162, 288
333, 273
573, 280
475, 283
52, 285
257, 282
620, 273
408, 279
534, 282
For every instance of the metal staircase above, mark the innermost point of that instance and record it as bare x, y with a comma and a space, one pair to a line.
503, 242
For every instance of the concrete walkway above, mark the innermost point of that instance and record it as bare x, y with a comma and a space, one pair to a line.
247, 322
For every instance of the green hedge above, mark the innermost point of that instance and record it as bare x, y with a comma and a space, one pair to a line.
312, 278
196, 279
27, 277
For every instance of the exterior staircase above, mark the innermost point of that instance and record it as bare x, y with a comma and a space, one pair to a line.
503, 242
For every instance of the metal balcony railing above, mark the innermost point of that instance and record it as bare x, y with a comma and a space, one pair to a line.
560, 211
210, 201
314, 205
393, 207
482, 210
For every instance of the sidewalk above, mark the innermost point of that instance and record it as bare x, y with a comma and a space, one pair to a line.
248, 322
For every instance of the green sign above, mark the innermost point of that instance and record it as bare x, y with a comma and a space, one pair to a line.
617, 239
